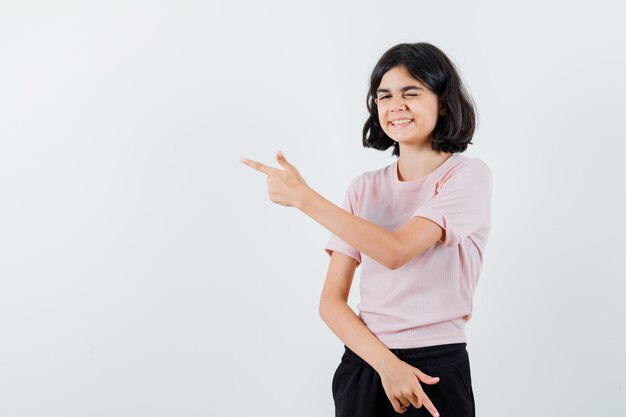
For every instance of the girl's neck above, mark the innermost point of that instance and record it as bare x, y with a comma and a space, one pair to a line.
415, 165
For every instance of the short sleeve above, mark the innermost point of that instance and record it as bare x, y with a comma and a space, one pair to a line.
463, 204
335, 243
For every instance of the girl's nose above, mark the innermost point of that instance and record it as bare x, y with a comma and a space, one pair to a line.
398, 104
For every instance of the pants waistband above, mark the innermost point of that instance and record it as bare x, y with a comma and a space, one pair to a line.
422, 356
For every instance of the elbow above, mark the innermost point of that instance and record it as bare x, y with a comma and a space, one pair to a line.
323, 308
397, 258
395, 263
327, 306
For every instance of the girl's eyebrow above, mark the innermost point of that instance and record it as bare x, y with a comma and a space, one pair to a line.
408, 87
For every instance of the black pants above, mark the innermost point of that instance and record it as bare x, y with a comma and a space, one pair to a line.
358, 391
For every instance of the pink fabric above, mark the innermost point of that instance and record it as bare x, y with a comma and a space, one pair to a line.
427, 301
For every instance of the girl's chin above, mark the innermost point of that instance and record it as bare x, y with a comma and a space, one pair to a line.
396, 134
399, 137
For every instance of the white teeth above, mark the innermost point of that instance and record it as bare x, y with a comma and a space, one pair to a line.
401, 122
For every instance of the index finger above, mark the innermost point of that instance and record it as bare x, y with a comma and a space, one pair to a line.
429, 406
256, 165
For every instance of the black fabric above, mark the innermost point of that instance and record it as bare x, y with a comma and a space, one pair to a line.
358, 391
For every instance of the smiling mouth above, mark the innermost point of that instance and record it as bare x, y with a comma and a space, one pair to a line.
401, 123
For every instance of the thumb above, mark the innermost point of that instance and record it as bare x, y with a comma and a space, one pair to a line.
282, 160
425, 378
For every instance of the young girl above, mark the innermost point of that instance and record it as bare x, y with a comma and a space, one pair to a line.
419, 227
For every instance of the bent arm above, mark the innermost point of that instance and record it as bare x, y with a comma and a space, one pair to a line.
374, 241
348, 327
341, 319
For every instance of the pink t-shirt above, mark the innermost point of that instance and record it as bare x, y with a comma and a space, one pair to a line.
427, 301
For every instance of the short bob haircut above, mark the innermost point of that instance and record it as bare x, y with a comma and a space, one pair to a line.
428, 64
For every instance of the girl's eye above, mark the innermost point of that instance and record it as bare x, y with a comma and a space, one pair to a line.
387, 96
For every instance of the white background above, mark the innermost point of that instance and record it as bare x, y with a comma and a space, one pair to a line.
145, 272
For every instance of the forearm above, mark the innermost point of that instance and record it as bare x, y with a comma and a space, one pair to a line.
348, 327
368, 238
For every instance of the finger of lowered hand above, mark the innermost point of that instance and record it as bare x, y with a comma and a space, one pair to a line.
415, 400
429, 405
425, 378
419, 398
397, 405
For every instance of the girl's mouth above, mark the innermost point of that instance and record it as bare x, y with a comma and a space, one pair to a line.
401, 124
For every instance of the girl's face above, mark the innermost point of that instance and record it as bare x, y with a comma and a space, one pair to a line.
400, 97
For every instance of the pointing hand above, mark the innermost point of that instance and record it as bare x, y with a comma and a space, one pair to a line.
285, 187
